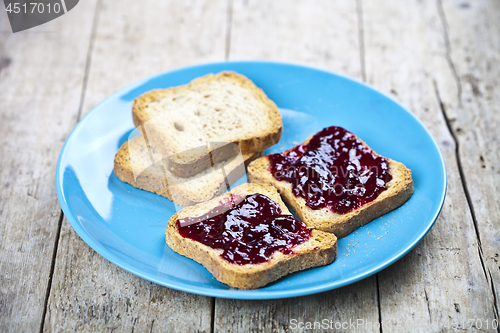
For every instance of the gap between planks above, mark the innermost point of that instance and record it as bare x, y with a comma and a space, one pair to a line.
52, 266
88, 63
361, 38
229, 23
80, 105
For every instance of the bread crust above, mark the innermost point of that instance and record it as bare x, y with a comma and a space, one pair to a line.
186, 166
319, 250
157, 183
398, 191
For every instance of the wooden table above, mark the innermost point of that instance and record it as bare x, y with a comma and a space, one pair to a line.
439, 58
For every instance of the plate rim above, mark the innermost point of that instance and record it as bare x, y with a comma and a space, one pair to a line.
237, 293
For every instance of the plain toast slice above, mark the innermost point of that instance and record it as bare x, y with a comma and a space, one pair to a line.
133, 164
320, 249
185, 121
398, 190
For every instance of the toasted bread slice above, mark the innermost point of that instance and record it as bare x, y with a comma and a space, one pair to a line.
225, 107
397, 192
133, 165
320, 249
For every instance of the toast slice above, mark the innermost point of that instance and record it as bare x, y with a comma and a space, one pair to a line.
398, 190
133, 165
223, 107
320, 249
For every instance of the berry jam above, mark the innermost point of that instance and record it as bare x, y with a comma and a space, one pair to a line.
334, 169
248, 232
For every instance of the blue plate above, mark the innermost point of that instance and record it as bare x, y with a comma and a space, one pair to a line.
126, 225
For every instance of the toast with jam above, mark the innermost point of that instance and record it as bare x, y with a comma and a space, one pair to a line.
247, 238
185, 121
334, 181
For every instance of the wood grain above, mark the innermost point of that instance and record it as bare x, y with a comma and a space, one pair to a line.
133, 40
321, 35
327, 309
440, 284
471, 32
41, 76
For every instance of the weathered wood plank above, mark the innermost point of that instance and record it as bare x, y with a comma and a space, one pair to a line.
90, 294
41, 76
133, 40
472, 31
441, 283
139, 39
329, 311
322, 35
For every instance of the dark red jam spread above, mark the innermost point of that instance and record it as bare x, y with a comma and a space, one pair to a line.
334, 169
248, 232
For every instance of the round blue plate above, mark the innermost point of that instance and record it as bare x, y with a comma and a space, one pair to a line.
126, 225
